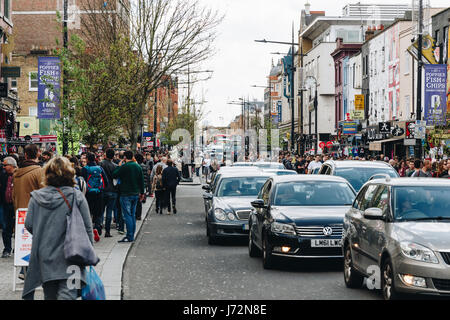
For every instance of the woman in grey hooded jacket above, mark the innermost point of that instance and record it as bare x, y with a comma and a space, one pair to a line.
46, 221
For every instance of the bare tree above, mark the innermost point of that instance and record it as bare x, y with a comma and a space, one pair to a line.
165, 35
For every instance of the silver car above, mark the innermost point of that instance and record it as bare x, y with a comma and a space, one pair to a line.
397, 234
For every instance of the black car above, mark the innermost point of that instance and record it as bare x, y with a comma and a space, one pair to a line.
228, 205
299, 216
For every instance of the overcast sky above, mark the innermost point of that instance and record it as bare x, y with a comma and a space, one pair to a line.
240, 62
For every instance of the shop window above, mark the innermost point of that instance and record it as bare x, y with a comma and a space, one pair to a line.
33, 81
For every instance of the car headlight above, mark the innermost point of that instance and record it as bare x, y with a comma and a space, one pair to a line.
231, 216
417, 252
220, 214
282, 228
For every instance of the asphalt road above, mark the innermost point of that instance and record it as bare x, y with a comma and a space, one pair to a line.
171, 260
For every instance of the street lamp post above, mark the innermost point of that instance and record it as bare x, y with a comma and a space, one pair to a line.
419, 75
292, 73
315, 113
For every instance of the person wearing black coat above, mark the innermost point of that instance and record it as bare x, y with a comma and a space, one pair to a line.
170, 180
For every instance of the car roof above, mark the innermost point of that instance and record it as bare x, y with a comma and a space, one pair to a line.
229, 169
358, 163
256, 173
412, 182
306, 177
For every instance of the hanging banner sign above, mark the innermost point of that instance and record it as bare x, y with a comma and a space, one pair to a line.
23, 240
435, 94
359, 102
49, 78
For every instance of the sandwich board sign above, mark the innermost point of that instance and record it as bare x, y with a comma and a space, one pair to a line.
22, 243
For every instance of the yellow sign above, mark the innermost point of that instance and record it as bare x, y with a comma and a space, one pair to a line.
359, 102
428, 47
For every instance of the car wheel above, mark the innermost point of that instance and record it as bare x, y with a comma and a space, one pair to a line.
253, 250
352, 278
267, 255
388, 281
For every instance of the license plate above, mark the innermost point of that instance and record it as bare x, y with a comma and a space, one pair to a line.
245, 227
326, 243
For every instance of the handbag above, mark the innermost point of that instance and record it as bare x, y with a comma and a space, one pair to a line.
94, 289
78, 248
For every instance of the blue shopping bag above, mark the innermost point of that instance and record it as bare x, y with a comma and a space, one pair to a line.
94, 289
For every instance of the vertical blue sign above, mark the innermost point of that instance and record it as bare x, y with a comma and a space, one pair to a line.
435, 94
49, 78
279, 106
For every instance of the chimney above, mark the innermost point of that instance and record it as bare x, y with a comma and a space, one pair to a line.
369, 34
307, 9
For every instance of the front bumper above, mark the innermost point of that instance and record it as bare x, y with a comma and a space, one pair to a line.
437, 276
301, 247
238, 229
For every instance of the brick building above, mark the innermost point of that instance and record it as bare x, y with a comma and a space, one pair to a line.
8, 98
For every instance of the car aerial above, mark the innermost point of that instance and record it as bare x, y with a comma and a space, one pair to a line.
299, 217
400, 227
279, 172
228, 205
357, 172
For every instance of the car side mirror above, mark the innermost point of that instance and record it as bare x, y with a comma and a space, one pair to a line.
373, 214
258, 204
207, 196
206, 187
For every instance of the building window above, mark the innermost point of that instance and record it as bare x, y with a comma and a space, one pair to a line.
407, 62
33, 81
32, 111
6, 8
14, 84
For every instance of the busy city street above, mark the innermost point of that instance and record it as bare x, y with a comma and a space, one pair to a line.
212, 151
173, 254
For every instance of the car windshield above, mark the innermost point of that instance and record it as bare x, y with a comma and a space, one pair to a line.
421, 203
241, 186
357, 176
313, 193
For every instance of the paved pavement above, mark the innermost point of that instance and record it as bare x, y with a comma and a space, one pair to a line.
112, 257
172, 260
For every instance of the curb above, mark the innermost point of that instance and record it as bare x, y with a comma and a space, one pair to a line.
112, 272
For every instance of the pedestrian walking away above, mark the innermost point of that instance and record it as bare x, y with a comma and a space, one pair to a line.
171, 178
46, 221
161, 198
110, 193
132, 190
96, 181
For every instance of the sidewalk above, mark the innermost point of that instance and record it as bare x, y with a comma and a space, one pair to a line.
196, 181
112, 258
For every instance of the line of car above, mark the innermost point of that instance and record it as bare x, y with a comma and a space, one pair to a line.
392, 231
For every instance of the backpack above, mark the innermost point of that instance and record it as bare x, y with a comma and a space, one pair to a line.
95, 182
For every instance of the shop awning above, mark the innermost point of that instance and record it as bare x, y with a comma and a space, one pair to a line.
376, 145
391, 140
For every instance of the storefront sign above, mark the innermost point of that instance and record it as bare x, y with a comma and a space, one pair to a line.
49, 77
420, 129
357, 115
375, 146
349, 127
409, 142
23, 240
384, 127
359, 102
435, 94
279, 107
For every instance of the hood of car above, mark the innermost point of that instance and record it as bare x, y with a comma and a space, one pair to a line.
434, 235
235, 203
304, 216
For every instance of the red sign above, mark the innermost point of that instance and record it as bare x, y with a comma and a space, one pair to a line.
322, 145
329, 144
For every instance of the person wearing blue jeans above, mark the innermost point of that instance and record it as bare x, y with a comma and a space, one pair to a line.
128, 205
131, 189
110, 200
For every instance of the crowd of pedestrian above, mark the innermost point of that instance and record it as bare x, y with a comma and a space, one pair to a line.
405, 167
108, 188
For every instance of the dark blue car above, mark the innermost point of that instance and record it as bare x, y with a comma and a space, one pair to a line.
299, 216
